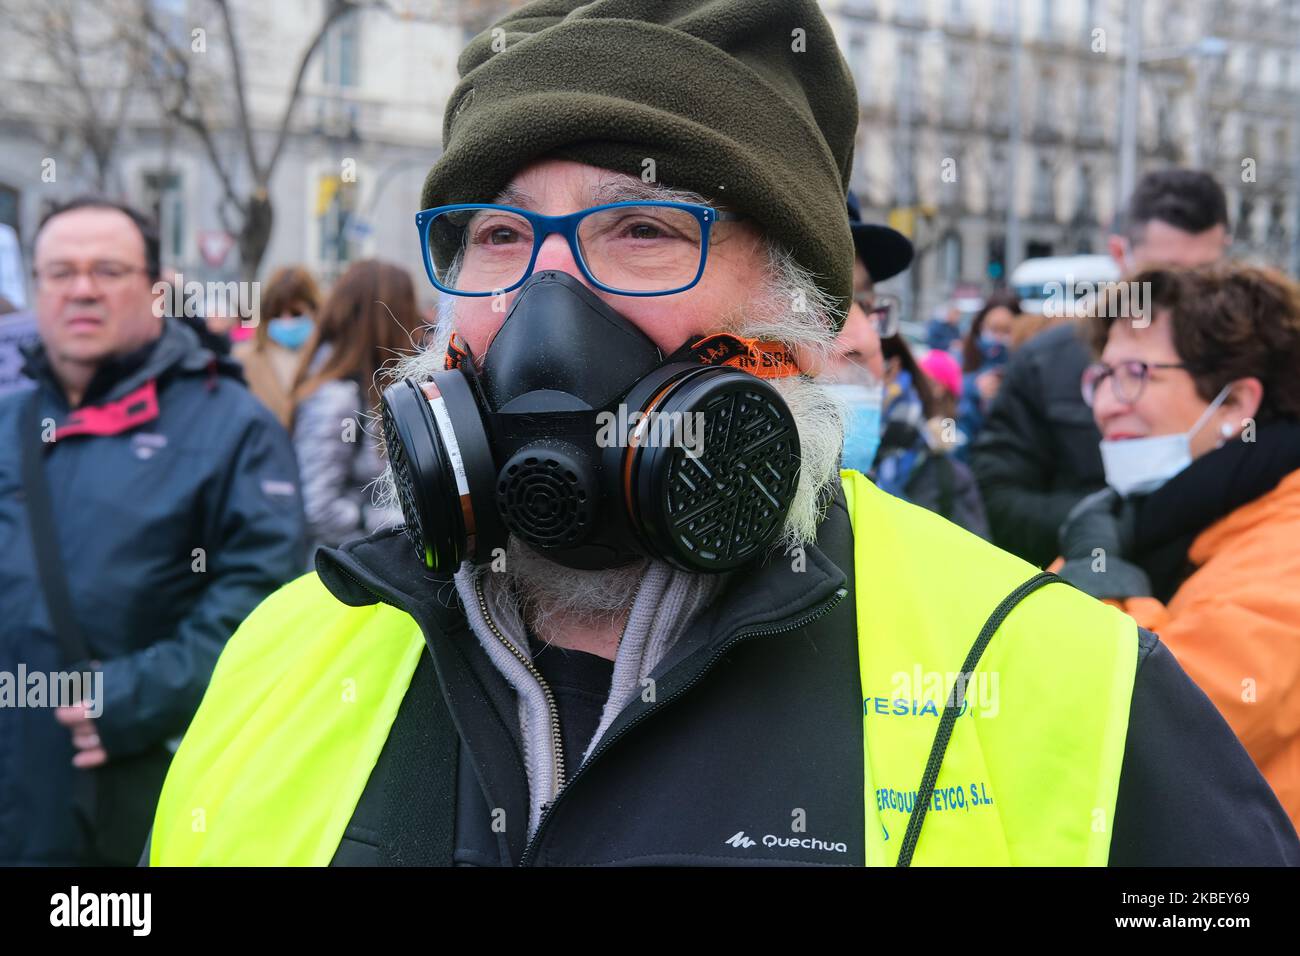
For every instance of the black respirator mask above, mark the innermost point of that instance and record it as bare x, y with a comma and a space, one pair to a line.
579, 437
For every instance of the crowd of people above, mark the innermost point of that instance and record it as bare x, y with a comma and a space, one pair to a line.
166, 479
1151, 456
185, 477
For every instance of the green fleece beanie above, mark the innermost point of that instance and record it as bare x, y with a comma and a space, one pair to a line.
747, 102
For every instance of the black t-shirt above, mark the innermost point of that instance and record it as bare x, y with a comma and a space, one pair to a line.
580, 683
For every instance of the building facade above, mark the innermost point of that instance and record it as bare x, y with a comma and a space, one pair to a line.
364, 132
940, 153
940, 92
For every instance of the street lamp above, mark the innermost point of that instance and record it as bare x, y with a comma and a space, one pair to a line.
1207, 48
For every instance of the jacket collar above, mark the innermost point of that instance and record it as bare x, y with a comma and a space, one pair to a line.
768, 595
177, 349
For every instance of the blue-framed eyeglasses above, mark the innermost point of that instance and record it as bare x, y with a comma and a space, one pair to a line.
627, 248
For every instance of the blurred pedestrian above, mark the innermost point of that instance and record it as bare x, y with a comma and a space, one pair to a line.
917, 457
985, 352
1199, 413
271, 357
17, 330
368, 319
943, 330
856, 370
894, 433
1036, 455
944, 373
170, 294
159, 506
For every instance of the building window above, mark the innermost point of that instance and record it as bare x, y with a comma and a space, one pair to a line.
165, 199
1244, 212
169, 16
956, 106
1250, 140
341, 53
1046, 96
951, 257
1003, 16
1044, 202
336, 206
907, 85
998, 179
9, 207
1084, 206
1277, 222
1089, 19
857, 62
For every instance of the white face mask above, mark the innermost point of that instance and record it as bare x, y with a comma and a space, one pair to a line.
1138, 466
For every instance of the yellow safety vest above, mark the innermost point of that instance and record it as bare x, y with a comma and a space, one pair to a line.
304, 696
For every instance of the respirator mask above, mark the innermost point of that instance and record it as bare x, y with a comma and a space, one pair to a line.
578, 436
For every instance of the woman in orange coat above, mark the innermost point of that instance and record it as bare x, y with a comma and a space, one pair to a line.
1197, 397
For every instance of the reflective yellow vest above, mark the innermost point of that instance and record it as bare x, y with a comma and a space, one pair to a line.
306, 692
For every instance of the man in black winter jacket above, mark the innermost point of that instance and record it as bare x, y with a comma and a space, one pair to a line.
172, 503
1038, 454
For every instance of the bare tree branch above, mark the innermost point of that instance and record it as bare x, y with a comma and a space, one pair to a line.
333, 12
241, 102
185, 94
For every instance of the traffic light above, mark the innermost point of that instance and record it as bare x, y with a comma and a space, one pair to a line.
997, 258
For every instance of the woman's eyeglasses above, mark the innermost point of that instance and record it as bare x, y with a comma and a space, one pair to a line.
1128, 378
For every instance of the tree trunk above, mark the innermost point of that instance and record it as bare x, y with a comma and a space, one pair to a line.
255, 235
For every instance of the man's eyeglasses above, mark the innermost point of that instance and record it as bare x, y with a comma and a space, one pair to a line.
628, 248
883, 310
1128, 379
104, 274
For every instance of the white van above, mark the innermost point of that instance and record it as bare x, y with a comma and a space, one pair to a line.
1037, 280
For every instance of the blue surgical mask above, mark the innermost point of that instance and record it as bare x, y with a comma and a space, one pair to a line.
1138, 466
862, 427
291, 332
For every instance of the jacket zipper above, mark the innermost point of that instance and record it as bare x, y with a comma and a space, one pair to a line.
557, 743
357, 581
552, 710
531, 849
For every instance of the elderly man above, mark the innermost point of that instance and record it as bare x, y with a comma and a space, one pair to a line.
147, 504
602, 639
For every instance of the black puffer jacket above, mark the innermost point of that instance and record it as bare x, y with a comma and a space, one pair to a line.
212, 471
1038, 453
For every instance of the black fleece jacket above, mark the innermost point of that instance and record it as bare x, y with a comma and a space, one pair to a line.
743, 731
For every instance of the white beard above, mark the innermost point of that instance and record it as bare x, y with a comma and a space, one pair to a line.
548, 593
